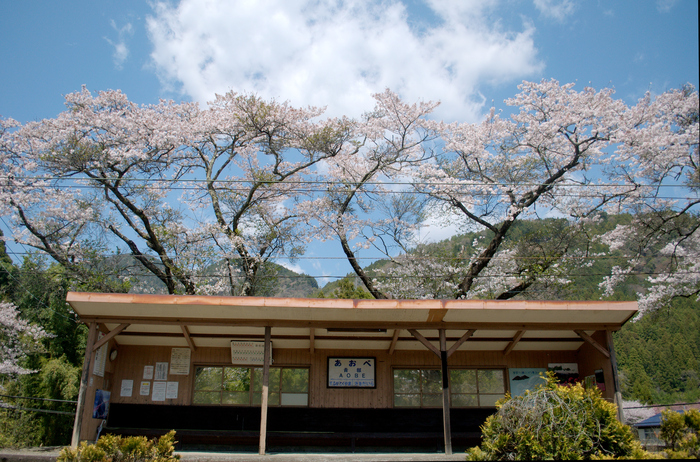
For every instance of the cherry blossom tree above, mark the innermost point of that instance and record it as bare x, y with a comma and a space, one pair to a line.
563, 153
108, 172
203, 197
359, 209
18, 338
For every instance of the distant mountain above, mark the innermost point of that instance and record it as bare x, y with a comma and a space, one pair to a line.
274, 280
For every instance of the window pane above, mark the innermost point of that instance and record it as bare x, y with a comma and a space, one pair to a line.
207, 378
408, 400
463, 380
237, 397
295, 399
489, 400
406, 381
432, 400
295, 381
463, 400
236, 379
206, 397
273, 399
432, 381
491, 381
273, 382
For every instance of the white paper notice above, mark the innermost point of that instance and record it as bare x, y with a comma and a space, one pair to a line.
171, 391
145, 388
127, 388
159, 391
180, 361
161, 371
148, 372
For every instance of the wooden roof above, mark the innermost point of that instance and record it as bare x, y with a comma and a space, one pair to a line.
309, 323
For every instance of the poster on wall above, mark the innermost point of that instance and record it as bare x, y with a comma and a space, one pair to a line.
180, 361
171, 390
126, 388
145, 388
101, 408
522, 379
159, 389
354, 372
161, 371
565, 372
148, 372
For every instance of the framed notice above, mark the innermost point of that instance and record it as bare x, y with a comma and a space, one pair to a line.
351, 372
247, 352
180, 361
523, 379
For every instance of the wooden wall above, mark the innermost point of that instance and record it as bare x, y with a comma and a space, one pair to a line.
131, 360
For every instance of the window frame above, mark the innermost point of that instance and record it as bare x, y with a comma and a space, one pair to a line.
421, 393
252, 385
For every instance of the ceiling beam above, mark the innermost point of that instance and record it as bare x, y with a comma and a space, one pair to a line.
106, 338
425, 342
514, 342
394, 339
459, 342
590, 340
186, 333
312, 335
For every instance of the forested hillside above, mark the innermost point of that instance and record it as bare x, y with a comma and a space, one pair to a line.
658, 355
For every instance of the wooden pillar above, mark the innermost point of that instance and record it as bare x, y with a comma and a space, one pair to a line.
265, 390
80, 408
445, 394
616, 380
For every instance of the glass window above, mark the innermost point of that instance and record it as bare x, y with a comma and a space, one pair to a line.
468, 387
243, 386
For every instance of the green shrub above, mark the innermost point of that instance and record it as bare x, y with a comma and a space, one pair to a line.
680, 432
555, 422
113, 448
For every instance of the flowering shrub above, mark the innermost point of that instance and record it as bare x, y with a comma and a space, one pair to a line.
114, 448
555, 422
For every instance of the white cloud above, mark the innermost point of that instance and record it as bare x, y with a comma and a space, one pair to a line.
558, 10
337, 53
438, 228
121, 50
664, 6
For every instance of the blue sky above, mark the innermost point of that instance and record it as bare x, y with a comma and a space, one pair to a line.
468, 54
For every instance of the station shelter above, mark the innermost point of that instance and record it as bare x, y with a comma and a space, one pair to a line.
263, 371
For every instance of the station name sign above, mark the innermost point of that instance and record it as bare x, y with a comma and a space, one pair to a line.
351, 372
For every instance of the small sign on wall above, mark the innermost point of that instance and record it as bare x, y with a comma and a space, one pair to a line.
353, 372
247, 352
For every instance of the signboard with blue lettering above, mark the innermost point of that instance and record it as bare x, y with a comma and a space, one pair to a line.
352, 372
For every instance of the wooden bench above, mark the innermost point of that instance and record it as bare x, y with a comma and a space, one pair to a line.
286, 426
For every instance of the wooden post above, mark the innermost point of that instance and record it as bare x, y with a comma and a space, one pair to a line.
89, 354
616, 380
265, 389
445, 394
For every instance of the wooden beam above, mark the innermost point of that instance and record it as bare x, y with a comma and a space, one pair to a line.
616, 380
459, 342
267, 355
593, 343
394, 339
447, 427
186, 333
320, 324
82, 391
514, 342
424, 341
312, 335
109, 336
